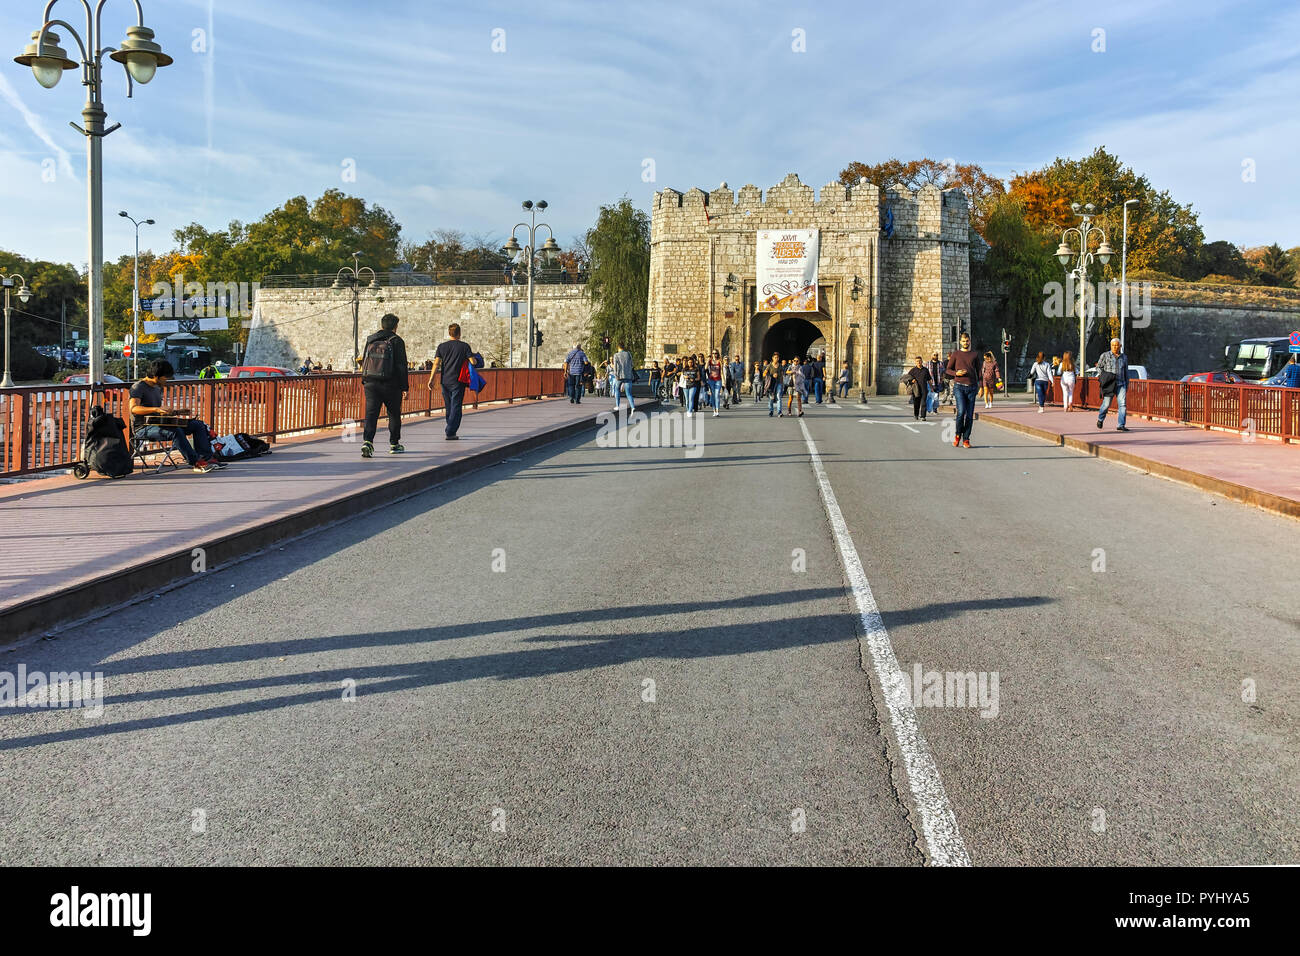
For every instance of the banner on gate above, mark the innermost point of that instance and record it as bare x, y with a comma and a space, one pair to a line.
787, 270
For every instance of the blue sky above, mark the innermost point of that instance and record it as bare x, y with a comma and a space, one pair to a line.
447, 133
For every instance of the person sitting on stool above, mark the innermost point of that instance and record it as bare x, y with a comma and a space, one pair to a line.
147, 400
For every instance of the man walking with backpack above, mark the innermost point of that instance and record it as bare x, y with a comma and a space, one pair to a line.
384, 380
448, 365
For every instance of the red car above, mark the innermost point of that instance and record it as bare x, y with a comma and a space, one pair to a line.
1214, 378
83, 378
259, 371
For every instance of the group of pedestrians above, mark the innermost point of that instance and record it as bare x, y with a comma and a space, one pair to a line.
789, 383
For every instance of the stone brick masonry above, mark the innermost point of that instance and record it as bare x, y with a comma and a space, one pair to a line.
291, 324
913, 286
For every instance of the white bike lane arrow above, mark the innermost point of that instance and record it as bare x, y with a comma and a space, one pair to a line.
873, 421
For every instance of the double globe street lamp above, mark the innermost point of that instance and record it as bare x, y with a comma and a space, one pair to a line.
350, 277
141, 57
24, 296
1084, 233
548, 251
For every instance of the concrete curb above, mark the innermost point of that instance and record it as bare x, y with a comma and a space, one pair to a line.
1228, 489
62, 610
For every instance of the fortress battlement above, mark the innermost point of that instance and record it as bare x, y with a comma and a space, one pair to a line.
927, 213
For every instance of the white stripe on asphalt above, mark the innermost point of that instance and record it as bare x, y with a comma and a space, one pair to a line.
943, 842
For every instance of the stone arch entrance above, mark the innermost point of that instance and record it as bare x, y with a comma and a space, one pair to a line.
788, 334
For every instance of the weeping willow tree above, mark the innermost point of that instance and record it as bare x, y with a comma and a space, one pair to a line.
618, 282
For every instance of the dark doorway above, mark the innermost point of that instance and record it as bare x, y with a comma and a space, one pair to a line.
790, 336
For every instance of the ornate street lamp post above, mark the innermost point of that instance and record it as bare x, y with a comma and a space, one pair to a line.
549, 249
24, 294
135, 297
1084, 233
140, 56
353, 274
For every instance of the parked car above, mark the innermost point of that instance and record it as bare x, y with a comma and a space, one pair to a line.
258, 371
83, 378
1214, 378
1258, 358
1134, 371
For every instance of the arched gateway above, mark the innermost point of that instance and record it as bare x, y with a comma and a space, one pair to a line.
759, 274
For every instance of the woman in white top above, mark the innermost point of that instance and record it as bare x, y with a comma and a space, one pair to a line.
1041, 375
1067, 380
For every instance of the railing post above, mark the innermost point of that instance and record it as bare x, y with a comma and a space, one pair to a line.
22, 429
272, 408
211, 404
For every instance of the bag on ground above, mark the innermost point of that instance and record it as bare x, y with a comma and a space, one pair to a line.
104, 448
240, 446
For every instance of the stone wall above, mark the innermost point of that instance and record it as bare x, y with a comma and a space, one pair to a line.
1192, 324
292, 324
912, 287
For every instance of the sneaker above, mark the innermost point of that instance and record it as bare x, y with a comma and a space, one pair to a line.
769, 414
1122, 428
715, 413
1099, 423
453, 438
397, 449
202, 466
1040, 409
965, 443
956, 442
220, 463
367, 449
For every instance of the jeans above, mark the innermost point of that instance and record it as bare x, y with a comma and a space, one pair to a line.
621, 389
1121, 393
774, 396
177, 433
965, 395
715, 394
692, 393
1040, 392
844, 389
574, 387
388, 395
453, 397
819, 386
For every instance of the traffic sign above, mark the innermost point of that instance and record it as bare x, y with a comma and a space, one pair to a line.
1295, 341
126, 351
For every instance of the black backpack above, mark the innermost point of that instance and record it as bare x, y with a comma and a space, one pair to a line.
104, 448
380, 361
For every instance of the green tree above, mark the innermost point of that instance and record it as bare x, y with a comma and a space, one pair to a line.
1275, 267
1222, 258
1162, 234
618, 283
1020, 263
37, 322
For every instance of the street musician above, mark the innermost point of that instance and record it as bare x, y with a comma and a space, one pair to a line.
151, 420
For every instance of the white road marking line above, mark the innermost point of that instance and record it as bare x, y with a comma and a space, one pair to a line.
874, 421
943, 843
892, 408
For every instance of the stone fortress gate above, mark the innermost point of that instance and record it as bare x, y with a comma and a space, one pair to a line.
892, 276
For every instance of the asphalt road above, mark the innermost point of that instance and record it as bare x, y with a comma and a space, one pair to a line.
668, 665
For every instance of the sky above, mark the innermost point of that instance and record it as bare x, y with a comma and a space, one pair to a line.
449, 115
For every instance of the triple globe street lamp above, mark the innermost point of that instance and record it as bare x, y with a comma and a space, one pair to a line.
1083, 255
24, 295
548, 251
141, 57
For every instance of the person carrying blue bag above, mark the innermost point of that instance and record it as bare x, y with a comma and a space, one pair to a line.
453, 369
